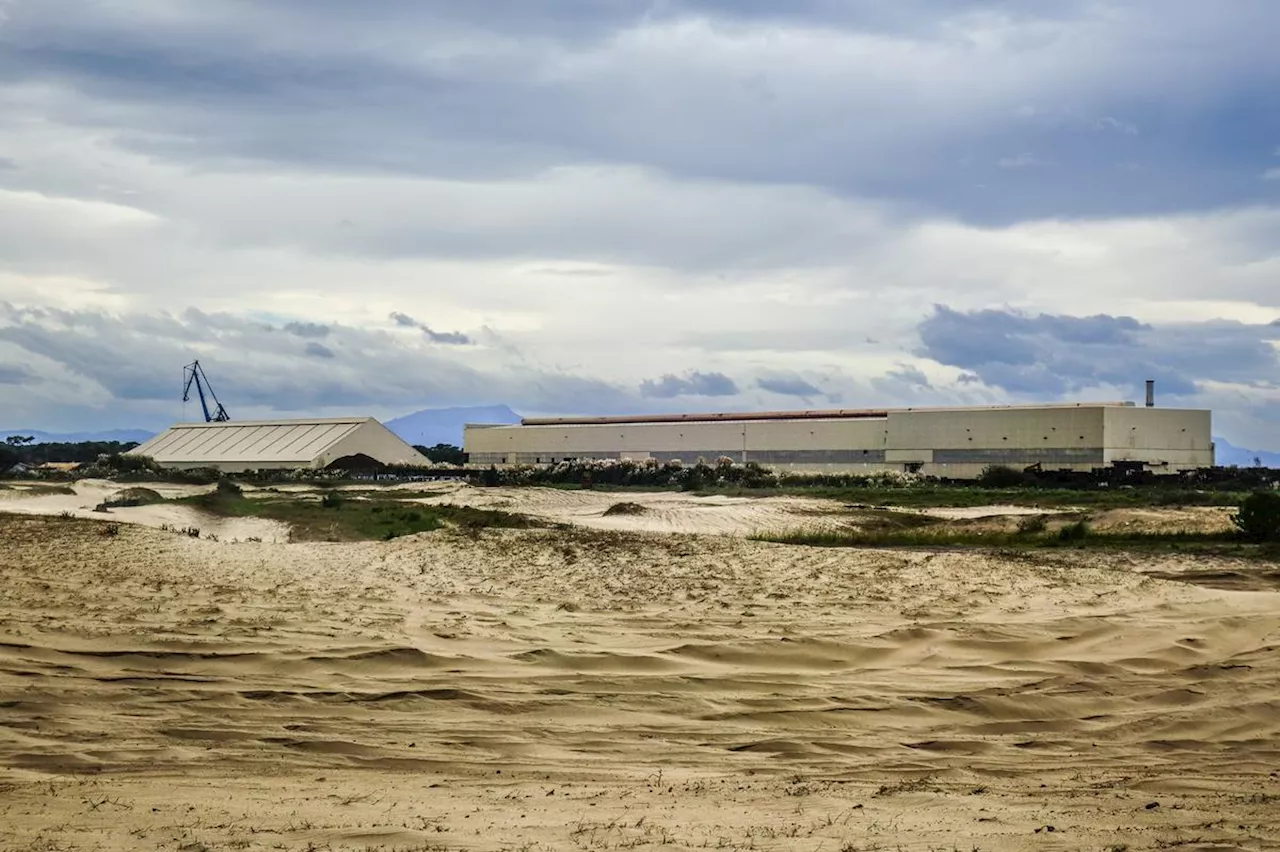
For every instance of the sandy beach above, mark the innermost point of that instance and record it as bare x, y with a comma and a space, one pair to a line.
613, 687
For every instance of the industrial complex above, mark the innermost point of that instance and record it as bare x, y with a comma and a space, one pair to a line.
954, 443
946, 442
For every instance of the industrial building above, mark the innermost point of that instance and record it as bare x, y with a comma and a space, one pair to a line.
946, 442
343, 443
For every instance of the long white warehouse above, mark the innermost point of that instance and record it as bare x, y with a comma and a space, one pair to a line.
345, 442
945, 442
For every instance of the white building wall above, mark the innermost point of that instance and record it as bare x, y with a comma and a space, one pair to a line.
956, 443
548, 444
960, 443
376, 441
1160, 437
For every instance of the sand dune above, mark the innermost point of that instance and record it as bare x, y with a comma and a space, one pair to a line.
27, 499
663, 511
599, 690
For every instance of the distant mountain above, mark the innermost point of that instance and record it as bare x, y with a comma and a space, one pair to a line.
444, 425
1226, 455
121, 435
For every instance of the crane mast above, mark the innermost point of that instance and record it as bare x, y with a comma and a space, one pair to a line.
193, 374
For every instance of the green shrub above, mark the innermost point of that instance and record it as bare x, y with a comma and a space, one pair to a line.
1074, 532
130, 497
227, 488
1001, 476
625, 509
1032, 524
332, 500
122, 463
1259, 517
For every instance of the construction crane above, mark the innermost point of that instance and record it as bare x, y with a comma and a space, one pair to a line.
193, 373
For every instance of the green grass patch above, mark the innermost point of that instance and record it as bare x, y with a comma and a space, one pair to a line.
1074, 535
928, 495
957, 496
334, 516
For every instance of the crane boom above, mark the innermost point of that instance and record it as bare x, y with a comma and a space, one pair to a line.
193, 374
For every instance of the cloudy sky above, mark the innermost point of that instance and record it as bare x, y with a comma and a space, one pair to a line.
605, 206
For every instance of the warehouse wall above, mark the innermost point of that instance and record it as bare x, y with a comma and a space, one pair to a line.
960, 443
952, 442
1171, 437
376, 441
663, 441
817, 444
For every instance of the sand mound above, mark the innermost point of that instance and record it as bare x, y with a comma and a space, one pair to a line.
130, 497
662, 511
625, 508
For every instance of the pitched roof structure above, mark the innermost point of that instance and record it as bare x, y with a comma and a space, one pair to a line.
268, 444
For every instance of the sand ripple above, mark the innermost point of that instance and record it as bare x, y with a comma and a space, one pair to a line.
454, 659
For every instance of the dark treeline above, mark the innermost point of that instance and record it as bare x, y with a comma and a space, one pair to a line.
443, 453
17, 451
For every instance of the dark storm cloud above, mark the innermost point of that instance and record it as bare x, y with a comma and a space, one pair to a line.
307, 329
921, 101
909, 376
139, 357
16, 374
452, 338
1049, 355
692, 384
789, 386
319, 350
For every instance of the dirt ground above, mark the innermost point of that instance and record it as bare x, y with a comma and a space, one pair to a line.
602, 689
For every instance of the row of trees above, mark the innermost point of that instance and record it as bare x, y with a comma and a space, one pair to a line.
18, 449
443, 453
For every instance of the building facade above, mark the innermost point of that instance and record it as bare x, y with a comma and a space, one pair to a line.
946, 442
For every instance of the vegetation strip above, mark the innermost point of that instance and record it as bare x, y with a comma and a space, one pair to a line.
334, 516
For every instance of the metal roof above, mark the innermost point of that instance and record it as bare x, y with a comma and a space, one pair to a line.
249, 440
837, 414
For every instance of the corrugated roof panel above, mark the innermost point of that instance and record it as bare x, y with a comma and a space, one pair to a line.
254, 441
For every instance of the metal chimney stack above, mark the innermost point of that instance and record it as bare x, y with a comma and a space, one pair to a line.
1151, 393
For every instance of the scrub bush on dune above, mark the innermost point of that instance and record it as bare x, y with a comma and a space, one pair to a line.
1259, 517
674, 473
1001, 476
631, 472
